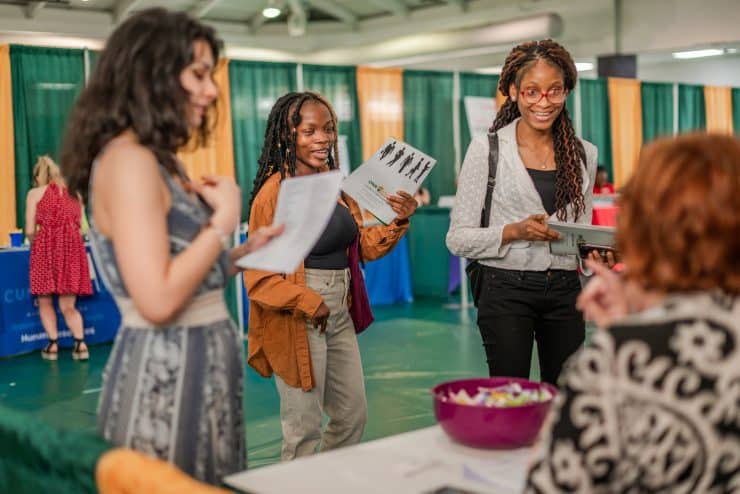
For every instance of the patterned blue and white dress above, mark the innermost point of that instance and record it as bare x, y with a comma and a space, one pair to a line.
175, 391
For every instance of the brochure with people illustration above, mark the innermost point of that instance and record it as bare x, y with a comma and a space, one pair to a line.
395, 166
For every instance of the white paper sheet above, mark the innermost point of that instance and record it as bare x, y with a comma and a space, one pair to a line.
305, 205
395, 166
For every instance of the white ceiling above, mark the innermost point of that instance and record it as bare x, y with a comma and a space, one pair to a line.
423, 34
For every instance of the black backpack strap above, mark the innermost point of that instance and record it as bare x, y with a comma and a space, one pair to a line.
485, 214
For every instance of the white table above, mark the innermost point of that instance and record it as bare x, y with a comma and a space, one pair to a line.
414, 463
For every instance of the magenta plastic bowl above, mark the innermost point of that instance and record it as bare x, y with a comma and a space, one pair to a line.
489, 427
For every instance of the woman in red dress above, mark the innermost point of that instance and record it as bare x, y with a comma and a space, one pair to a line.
58, 259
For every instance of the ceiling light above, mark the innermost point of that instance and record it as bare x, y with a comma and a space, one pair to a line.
490, 70
711, 52
584, 66
271, 12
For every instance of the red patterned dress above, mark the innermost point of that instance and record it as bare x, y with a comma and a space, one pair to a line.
58, 258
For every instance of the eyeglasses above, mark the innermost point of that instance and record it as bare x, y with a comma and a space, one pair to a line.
555, 95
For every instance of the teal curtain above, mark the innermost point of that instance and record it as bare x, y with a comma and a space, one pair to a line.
339, 85
692, 114
46, 82
570, 105
427, 113
595, 119
657, 110
92, 59
254, 87
736, 111
473, 85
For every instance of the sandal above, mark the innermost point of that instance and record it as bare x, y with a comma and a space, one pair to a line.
78, 354
47, 353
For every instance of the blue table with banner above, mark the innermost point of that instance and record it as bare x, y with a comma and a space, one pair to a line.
20, 327
388, 279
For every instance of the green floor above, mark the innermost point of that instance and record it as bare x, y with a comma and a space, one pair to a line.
405, 352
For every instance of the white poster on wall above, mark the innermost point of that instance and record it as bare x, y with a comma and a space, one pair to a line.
480, 113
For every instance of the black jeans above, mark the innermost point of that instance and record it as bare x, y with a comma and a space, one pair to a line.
517, 306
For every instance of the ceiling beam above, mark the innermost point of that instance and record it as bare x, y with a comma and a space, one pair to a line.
462, 5
33, 8
332, 8
122, 8
396, 7
256, 22
202, 8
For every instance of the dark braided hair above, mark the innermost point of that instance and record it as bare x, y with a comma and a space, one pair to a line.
570, 155
279, 147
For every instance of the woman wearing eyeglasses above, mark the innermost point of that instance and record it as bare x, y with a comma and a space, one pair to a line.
543, 172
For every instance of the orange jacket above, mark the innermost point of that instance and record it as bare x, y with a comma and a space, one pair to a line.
279, 304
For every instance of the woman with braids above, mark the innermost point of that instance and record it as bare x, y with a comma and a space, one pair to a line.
543, 171
173, 384
300, 327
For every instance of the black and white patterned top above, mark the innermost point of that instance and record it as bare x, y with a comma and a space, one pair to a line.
653, 405
514, 198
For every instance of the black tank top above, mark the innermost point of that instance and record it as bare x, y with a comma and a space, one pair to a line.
330, 252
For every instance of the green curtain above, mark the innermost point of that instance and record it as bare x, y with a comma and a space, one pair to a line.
427, 125
46, 82
339, 85
692, 114
595, 119
657, 110
254, 87
92, 59
736, 110
570, 105
473, 85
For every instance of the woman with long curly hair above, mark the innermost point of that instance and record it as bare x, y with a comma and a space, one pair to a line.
543, 171
173, 384
302, 325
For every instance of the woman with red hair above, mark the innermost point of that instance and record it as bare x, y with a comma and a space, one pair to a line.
652, 404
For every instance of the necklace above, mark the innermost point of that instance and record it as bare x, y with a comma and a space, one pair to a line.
542, 164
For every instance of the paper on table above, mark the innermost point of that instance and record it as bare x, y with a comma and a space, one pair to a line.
305, 205
395, 166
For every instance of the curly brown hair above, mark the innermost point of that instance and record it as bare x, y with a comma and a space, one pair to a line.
679, 222
136, 85
570, 155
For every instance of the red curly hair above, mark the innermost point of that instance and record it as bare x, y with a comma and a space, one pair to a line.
679, 223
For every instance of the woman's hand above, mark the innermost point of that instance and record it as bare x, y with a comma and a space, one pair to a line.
596, 257
532, 228
403, 204
321, 317
223, 195
255, 241
604, 300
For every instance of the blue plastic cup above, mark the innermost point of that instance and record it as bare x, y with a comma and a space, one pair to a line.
16, 239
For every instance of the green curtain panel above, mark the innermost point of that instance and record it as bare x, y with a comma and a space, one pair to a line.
595, 119
657, 110
427, 125
736, 111
339, 85
46, 82
473, 85
570, 105
254, 87
692, 114
92, 59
